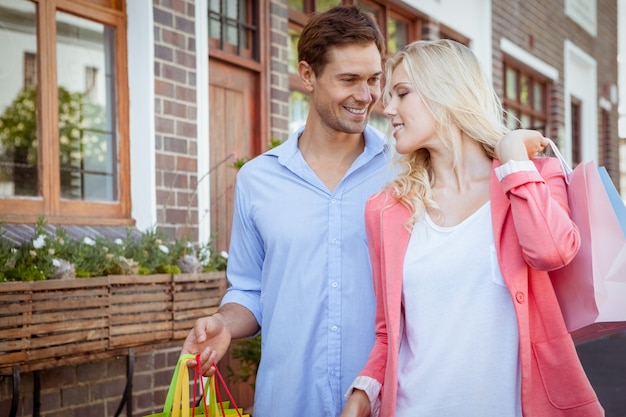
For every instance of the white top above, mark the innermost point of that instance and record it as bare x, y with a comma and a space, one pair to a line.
459, 351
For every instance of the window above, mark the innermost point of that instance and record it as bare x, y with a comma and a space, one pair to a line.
63, 121
577, 145
605, 138
525, 98
232, 27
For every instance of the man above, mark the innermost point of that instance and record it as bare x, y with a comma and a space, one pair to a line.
298, 268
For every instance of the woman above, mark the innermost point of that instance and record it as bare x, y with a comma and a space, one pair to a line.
467, 323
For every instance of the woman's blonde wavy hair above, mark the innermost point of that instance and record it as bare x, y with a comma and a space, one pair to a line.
461, 99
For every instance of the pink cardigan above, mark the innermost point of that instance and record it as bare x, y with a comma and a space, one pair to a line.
533, 234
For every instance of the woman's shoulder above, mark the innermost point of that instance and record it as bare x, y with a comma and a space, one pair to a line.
381, 199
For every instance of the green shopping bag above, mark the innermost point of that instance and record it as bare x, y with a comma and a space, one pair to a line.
177, 402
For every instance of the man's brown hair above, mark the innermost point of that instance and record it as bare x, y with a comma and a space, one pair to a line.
338, 26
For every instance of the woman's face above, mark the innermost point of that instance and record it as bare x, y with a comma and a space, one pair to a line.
413, 124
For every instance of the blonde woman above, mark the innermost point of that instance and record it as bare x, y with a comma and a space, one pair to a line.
467, 323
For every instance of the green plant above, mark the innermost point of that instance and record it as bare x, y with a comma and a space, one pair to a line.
248, 352
55, 255
80, 122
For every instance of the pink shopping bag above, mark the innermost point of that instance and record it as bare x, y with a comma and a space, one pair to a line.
592, 289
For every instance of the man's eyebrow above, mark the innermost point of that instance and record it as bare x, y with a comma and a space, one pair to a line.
352, 74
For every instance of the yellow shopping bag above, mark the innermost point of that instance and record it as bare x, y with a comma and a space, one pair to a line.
177, 402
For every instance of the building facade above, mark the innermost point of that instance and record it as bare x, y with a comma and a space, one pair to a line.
178, 92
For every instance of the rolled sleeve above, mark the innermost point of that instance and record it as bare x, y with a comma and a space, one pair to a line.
514, 166
371, 387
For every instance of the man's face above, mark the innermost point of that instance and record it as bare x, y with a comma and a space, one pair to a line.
345, 92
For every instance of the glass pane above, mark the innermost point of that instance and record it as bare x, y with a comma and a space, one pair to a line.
511, 84
538, 97
298, 110
524, 93
87, 142
398, 34
215, 25
511, 120
297, 5
232, 35
18, 100
526, 122
292, 52
323, 5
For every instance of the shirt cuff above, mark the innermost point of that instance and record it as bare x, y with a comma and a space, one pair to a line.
514, 166
371, 387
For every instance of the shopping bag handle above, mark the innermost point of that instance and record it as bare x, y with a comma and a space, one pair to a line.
564, 165
198, 377
169, 400
218, 400
177, 400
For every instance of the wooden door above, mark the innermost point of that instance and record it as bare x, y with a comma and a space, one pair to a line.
233, 127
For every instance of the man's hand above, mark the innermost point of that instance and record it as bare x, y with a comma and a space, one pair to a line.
210, 338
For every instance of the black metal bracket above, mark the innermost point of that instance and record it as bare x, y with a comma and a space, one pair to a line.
127, 398
36, 393
15, 401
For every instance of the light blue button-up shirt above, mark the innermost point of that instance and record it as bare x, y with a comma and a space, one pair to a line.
299, 262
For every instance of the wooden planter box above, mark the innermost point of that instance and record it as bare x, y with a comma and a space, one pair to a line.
56, 320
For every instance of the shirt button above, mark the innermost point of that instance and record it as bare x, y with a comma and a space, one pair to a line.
333, 201
334, 241
334, 284
334, 328
520, 297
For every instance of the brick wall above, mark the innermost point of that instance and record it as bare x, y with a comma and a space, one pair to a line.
95, 389
278, 71
541, 28
175, 117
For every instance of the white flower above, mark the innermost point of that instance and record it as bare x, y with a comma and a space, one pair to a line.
205, 252
89, 241
56, 262
118, 241
40, 242
164, 249
224, 254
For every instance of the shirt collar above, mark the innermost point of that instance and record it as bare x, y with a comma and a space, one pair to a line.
374, 144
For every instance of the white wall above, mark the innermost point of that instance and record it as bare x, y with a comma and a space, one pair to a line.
580, 80
471, 18
142, 118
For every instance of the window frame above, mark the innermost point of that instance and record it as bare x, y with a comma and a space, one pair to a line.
521, 109
49, 204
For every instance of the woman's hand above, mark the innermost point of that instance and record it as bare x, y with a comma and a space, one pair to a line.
520, 145
358, 405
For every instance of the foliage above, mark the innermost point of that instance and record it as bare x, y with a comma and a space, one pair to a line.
248, 351
55, 255
80, 121
239, 162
